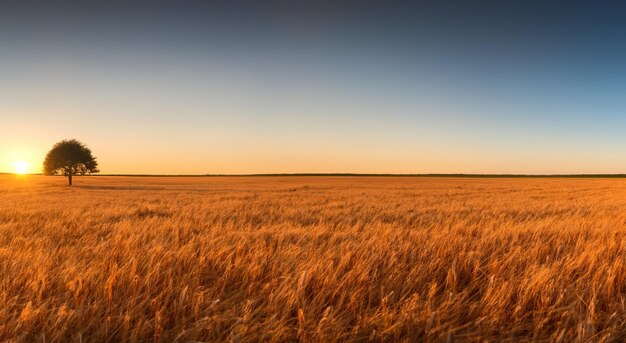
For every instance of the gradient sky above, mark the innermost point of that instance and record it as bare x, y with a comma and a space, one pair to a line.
315, 86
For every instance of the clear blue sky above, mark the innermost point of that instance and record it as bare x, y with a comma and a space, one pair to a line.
299, 86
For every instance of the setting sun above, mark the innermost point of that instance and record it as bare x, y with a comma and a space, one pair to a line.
21, 167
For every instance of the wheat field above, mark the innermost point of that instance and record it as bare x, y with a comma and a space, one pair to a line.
311, 259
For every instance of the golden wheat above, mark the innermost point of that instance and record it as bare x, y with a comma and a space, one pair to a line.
312, 259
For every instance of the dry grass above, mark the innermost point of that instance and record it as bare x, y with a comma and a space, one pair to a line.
312, 259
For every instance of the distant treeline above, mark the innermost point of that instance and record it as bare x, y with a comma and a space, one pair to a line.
383, 175
598, 176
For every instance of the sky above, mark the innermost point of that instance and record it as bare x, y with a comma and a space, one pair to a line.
194, 87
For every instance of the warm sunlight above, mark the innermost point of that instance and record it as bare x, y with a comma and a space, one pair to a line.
21, 167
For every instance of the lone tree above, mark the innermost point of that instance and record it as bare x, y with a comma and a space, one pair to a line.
70, 157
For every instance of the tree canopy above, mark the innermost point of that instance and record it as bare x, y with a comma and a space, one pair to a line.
69, 158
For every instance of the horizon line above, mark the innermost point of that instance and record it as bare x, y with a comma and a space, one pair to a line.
467, 175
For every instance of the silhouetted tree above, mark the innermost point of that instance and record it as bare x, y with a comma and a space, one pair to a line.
70, 157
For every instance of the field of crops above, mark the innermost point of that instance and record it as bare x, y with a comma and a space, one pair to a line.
312, 258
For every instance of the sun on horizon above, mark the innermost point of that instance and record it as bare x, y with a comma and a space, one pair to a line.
21, 167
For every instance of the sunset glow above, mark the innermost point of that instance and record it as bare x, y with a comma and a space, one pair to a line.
299, 88
21, 167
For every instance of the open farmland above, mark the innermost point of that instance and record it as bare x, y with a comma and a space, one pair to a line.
312, 259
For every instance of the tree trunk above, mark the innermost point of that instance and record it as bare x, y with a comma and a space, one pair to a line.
69, 178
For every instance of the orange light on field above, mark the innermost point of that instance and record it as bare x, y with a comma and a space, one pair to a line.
21, 167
